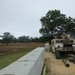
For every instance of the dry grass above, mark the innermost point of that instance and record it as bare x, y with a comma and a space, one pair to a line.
18, 47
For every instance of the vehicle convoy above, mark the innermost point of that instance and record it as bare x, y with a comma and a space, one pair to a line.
65, 44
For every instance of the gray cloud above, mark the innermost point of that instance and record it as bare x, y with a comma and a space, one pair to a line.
21, 17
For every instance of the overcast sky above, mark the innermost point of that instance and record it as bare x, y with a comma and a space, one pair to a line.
22, 17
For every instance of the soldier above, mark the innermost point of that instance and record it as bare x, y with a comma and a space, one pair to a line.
64, 36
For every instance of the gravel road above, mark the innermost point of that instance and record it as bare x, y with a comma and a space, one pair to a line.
57, 67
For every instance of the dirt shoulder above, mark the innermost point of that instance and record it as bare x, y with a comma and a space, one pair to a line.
57, 67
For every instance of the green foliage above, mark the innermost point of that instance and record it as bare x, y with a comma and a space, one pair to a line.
7, 38
54, 22
24, 39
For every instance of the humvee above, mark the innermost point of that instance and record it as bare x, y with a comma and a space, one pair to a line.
62, 45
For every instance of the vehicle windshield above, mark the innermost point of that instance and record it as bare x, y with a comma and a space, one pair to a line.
70, 41
59, 41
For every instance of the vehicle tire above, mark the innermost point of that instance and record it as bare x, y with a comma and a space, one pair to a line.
57, 54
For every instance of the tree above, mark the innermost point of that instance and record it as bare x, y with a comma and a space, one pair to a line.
7, 38
23, 39
56, 23
70, 27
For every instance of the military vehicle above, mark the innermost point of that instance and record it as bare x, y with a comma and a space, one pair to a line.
65, 44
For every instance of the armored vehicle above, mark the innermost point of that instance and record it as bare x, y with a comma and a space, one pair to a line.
65, 44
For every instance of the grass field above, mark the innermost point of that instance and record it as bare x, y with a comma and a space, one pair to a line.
12, 52
8, 59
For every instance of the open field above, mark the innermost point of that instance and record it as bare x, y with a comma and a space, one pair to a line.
57, 67
18, 47
12, 52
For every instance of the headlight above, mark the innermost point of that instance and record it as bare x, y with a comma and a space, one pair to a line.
73, 45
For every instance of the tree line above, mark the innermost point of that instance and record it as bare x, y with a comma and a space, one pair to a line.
7, 38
